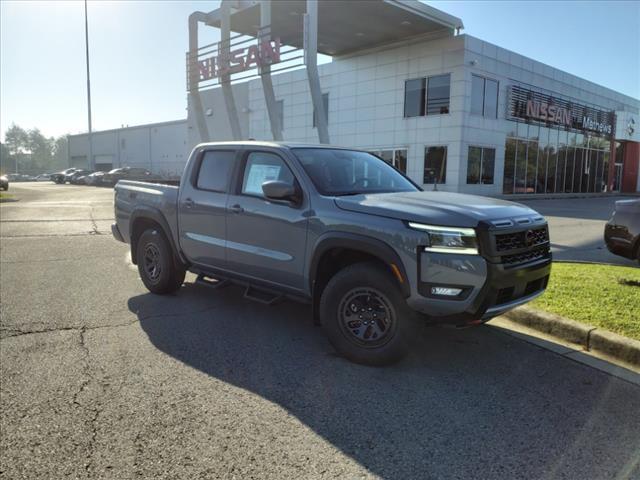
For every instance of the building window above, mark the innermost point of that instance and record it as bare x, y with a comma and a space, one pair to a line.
280, 112
325, 103
480, 165
427, 96
414, 97
396, 157
435, 165
484, 96
438, 89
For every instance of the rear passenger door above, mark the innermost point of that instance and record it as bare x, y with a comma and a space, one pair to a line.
266, 239
202, 208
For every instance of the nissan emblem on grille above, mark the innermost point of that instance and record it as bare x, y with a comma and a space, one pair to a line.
530, 238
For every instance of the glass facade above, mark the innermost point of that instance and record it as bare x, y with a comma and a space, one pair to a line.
546, 160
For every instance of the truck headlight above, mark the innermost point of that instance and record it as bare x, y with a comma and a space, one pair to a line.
449, 239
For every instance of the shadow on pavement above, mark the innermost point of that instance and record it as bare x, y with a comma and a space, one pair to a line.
463, 402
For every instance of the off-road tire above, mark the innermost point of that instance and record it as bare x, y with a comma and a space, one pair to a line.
168, 275
337, 315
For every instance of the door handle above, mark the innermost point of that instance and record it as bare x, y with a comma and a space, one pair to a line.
235, 209
188, 203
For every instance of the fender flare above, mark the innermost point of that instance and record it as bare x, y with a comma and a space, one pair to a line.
363, 243
150, 213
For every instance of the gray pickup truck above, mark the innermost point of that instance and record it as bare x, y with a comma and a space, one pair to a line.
373, 253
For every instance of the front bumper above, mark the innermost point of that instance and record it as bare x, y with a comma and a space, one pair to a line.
500, 290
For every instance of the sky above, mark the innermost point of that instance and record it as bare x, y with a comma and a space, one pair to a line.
137, 53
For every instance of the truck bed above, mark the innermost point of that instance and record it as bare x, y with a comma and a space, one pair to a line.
131, 196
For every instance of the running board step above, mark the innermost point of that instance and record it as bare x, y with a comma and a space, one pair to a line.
265, 297
212, 282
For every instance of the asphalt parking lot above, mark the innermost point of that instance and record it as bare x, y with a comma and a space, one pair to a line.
576, 228
100, 379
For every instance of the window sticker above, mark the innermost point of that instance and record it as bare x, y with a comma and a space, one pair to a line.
258, 174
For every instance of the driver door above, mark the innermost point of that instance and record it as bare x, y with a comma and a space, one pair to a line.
266, 239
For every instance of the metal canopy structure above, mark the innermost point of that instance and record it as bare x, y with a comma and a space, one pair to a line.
345, 26
330, 27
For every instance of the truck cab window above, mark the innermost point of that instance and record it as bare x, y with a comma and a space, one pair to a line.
262, 167
215, 171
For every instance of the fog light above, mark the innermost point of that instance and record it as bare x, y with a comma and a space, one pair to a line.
446, 291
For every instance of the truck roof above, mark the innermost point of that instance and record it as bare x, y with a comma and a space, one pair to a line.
268, 143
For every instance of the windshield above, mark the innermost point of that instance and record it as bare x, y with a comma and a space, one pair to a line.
350, 172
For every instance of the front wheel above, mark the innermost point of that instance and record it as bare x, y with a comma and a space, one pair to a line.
365, 316
157, 265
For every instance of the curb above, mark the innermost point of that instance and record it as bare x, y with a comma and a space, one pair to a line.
587, 336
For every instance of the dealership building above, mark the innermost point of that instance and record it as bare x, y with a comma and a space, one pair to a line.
451, 111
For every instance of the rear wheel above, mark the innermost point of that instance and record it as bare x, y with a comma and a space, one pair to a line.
157, 265
365, 316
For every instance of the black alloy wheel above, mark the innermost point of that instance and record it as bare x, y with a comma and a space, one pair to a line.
366, 317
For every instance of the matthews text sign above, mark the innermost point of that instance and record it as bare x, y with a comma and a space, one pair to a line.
552, 111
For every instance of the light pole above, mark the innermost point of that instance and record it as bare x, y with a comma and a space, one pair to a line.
86, 39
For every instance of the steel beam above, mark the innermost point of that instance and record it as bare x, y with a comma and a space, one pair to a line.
265, 76
194, 95
311, 60
225, 80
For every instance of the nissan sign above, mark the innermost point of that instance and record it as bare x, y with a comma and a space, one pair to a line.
534, 106
239, 60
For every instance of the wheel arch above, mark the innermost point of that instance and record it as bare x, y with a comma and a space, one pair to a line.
364, 247
143, 218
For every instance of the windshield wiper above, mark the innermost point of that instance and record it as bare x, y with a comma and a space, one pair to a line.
346, 194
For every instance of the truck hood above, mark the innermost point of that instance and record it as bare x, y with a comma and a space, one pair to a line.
435, 208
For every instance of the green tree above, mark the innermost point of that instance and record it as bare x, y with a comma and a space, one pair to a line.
41, 151
60, 153
5, 159
33, 153
16, 140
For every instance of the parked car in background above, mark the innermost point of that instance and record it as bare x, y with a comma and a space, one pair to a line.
43, 177
4, 183
94, 179
19, 177
128, 173
77, 177
58, 177
622, 232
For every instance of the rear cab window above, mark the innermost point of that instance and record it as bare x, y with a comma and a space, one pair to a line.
214, 172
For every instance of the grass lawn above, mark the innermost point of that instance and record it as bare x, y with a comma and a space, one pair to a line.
604, 296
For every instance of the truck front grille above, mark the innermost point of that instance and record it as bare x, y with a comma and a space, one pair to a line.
524, 257
517, 246
523, 239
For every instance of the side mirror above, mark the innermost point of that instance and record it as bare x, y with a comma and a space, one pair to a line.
279, 190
